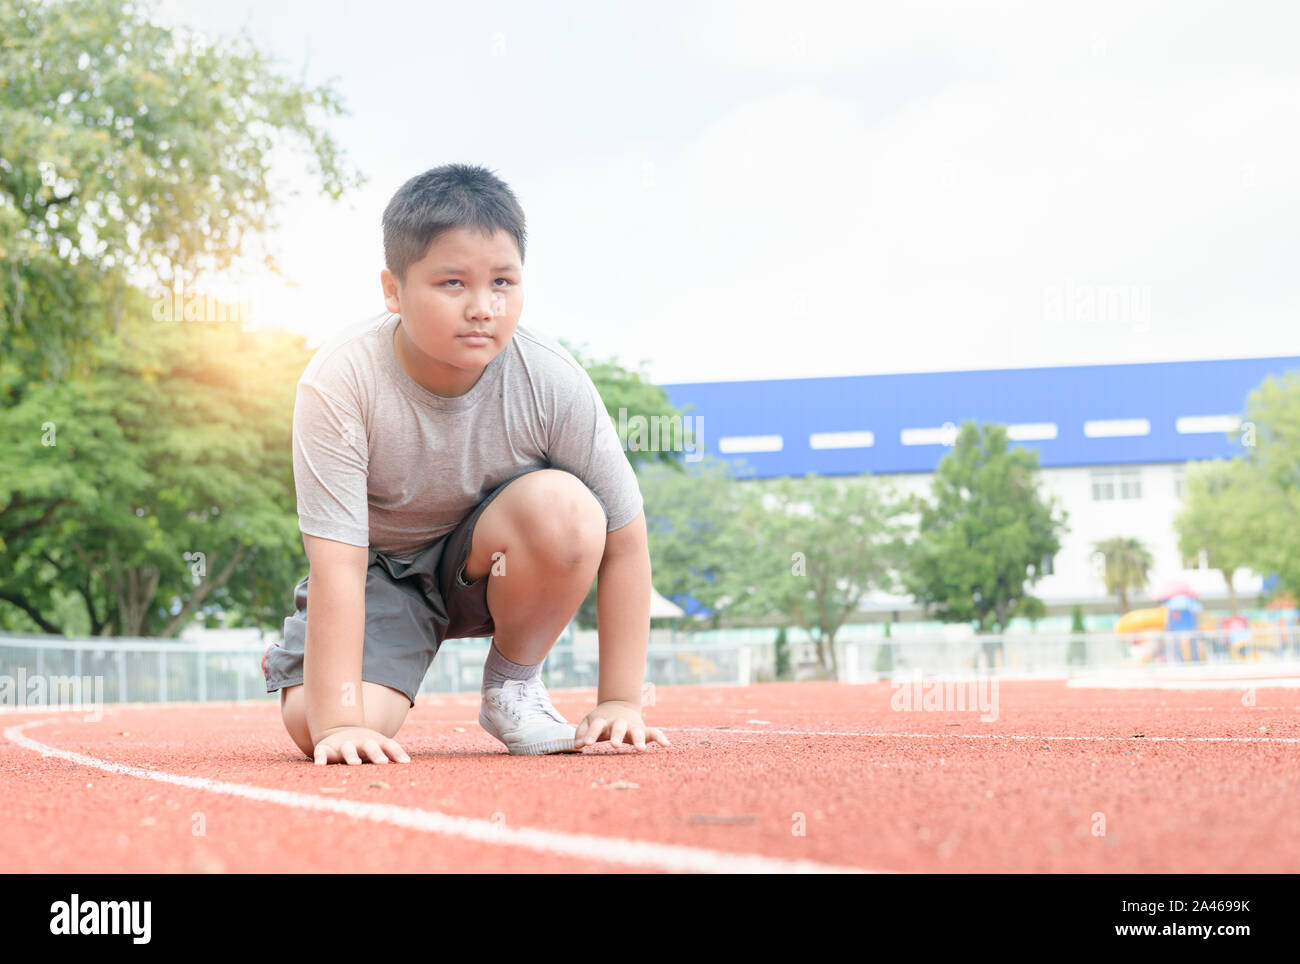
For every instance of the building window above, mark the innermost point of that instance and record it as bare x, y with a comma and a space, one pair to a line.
1180, 483
1047, 568
1116, 484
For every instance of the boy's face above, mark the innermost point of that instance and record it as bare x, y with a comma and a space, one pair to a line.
465, 283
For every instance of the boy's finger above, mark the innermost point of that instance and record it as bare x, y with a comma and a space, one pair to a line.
394, 750
593, 732
372, 750
638, 737
350, 754
617, 732
322, 754
657, 735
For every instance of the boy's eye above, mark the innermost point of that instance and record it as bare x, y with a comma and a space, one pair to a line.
457, 281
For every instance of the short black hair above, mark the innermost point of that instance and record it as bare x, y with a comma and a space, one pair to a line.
444, 198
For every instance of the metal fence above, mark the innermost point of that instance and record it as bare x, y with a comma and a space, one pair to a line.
43, 670
1063, 655
123, 670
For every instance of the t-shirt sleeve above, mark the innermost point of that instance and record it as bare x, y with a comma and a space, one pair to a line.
583, 441
330, 467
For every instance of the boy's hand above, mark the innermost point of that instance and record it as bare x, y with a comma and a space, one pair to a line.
620, 719
338, 746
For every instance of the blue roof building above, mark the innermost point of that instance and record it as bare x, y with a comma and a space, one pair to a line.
1074, 416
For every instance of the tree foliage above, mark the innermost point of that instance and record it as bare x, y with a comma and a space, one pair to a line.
629, 392
1126, 566
818, 546
1270, 497
144, 467
692, 525
985, 531
162, 484
133, 153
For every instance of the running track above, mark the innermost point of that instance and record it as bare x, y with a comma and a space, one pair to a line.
1209, 786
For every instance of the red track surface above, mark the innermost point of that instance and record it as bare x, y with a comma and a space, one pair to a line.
1210, 786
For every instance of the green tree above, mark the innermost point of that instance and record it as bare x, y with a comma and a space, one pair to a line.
162, 484
131, 152
781, 648
691, 525
1033, 609
1076, 619
629, 392
985, 531
884, 661
1078, 648
144, 470
1221, 514
1126, 566
814, 547
1270, 496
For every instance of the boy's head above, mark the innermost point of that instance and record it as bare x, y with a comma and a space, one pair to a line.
454, 241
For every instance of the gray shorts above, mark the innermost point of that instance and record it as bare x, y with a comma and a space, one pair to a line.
410, 609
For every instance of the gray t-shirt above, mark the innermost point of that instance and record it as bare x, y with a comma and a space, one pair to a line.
380, 461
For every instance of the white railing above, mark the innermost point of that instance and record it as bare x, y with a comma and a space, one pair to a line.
129, 670
33, 668
1063, 655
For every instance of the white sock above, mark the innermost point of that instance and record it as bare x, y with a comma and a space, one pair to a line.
498, 669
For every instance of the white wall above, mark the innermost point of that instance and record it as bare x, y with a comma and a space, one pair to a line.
1148, 518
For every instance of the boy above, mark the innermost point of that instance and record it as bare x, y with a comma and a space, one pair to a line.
457, 475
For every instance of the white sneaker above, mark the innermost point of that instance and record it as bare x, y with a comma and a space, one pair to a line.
521, 716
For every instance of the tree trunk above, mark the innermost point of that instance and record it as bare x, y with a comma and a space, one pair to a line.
202, 592
134, 602
1232, 590
821, 653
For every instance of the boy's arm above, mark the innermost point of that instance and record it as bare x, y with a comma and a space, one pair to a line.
623, 613
331, 664
623, 628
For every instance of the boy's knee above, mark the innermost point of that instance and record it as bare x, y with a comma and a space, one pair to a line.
294, 714
385, 710
567, 522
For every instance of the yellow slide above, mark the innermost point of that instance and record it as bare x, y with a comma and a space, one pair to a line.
1139, 620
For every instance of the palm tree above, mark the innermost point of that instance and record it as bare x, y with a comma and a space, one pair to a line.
1128, 566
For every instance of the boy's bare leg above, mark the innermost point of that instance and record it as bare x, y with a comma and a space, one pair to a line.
385, 711
551, 532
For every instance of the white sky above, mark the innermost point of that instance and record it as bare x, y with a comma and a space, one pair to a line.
758, 190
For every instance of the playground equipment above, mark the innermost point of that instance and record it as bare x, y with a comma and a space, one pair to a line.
1179, 631
1141, 620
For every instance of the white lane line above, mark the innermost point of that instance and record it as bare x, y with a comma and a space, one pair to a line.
1104, 683
1254, 708
1160, 709
992, 736
674, 858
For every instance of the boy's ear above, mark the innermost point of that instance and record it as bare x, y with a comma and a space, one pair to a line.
388, 284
